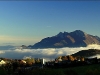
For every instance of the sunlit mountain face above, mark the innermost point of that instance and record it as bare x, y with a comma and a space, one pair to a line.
47, 53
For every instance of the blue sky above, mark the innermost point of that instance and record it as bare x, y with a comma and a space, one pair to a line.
27, 22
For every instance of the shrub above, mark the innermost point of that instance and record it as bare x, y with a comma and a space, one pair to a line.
70, 72
93, 72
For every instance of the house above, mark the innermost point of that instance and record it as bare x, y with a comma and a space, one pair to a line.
23, 61
42, 61
2, 62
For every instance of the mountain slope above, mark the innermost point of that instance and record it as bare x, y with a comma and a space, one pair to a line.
77, 38
87, 53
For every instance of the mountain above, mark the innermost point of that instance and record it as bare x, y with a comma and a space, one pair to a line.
87, 53
76, 38
8, 47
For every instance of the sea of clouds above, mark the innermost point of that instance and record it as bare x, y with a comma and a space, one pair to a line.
48, 53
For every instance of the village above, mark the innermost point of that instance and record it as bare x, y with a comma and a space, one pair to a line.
20, 66
61, 61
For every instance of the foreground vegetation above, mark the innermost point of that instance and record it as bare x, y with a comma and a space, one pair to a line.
93, 69
63, 65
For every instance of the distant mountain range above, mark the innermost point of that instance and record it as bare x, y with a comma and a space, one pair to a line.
76, 38
8, 47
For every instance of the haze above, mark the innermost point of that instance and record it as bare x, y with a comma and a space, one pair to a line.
48, 53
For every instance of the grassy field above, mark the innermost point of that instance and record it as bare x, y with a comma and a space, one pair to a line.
80, 70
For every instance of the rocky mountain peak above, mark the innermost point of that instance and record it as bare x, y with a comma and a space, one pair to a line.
79, 33
77, 38
62, 34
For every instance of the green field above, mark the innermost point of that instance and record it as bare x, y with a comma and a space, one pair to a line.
80, 70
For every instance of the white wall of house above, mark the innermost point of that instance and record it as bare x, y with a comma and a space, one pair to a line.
43, 61
2, 62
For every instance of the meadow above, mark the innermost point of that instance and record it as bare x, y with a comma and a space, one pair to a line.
93, 69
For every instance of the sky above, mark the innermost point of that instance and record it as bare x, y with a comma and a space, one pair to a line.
28, 22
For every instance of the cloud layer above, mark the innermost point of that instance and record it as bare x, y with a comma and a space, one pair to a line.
48, 53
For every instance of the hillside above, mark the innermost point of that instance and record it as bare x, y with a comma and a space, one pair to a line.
87, 53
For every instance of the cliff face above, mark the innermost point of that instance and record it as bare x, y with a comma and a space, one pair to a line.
77, 38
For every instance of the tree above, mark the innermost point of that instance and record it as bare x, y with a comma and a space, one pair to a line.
30, 61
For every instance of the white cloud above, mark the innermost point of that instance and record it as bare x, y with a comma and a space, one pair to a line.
49, 53
2, 52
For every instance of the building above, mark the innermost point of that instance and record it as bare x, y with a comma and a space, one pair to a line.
2, 62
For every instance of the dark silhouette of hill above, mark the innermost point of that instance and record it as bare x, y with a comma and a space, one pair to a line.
76, 38
87, 53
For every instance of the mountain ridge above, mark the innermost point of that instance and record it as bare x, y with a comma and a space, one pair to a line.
87, 53
77, 38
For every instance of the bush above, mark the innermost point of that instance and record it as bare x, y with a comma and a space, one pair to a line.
70, 72
93, 72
